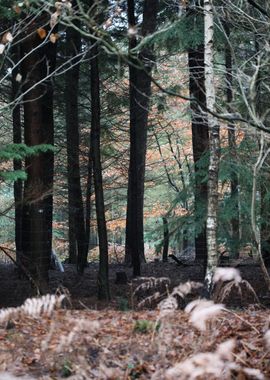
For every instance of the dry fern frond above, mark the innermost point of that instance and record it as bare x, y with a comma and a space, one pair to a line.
202, 311
80, 326
218, 365
44, 305
252, 373
150, 300
9, 376
206, 364
227, 274
171, 303
151, 283
199, 303
186, 288
225, 349
34, 307
237, 294
7, 314
267, 339
167, 306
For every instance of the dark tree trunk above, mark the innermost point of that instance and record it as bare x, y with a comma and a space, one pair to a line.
103, 274
165, 240
88, 203
200, 145
17, 164
72, 243
261, 106
38, 129
77, 236
140, 91
233, 148
200, 137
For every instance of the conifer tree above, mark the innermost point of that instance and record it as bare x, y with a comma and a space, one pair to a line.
140, 91
37, 55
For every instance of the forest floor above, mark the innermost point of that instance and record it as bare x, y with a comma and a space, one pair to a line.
98, 340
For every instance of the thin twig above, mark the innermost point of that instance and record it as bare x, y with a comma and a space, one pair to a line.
243, 320
20, 266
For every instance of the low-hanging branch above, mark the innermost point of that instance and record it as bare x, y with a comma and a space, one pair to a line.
225, 117
20, 266
258, 7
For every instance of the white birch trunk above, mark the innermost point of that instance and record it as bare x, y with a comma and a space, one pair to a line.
214, 146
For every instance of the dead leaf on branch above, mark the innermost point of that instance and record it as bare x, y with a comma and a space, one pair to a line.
42, 33
7, 37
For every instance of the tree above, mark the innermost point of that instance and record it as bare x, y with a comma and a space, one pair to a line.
232, 143
103, 276
139, 92
77, 230
214, 145
17, 164
200, 134
37, 55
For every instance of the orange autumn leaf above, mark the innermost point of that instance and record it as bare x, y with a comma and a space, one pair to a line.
42, 33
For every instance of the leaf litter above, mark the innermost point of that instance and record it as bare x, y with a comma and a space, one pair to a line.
89, 344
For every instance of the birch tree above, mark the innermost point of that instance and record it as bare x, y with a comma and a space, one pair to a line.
214, 145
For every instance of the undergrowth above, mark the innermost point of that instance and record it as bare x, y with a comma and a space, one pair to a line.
199, 342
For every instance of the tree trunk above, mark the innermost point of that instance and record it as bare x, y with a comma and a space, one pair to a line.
88, 203
233, 150
17, 164
200, 142
214, 146
261, 103
38, 129
77, 236
140, 91
130, 218
165, 240
103, 273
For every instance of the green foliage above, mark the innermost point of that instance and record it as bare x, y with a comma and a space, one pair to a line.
20, 152
13, 176
66, 370
6, 213
143, 326
6, 10
122, 304
239, 167
177, 36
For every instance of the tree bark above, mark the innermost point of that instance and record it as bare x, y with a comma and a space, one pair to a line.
17, 164
233, 151
140, 91
165, 240
38, 129
77, 234
214, 147
200, 142
88, 202
103, 273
